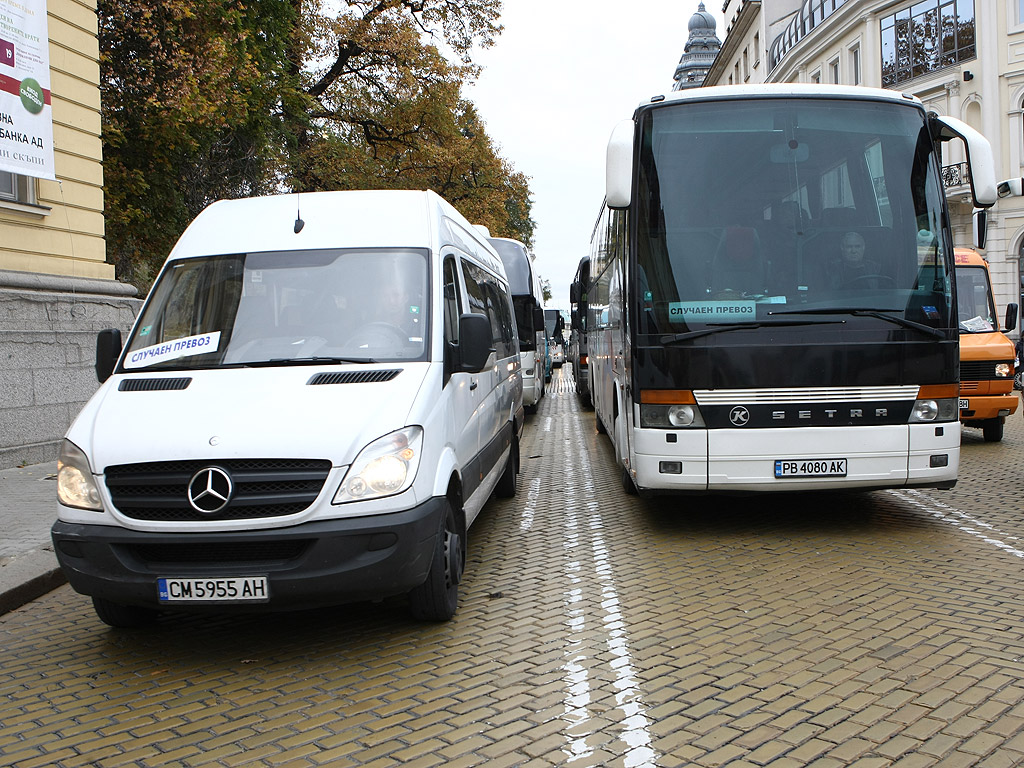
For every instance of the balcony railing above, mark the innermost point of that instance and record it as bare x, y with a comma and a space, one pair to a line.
956, 175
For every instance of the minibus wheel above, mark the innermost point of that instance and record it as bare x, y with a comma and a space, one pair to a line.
122, 616
992, 430
506, 487
437, 598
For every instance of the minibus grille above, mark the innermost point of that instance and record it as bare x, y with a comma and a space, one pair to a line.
260, 488
263, 552
981, 370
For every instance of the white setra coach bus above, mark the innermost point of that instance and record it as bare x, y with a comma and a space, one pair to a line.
771, 295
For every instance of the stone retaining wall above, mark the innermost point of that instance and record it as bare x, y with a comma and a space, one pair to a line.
48, 326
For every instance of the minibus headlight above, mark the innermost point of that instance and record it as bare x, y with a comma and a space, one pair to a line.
1004, 370
678, 416
75, 484
385, 467
925, 411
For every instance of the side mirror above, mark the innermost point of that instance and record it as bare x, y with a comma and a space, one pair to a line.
979, 157
1011, 317
574, 293
108, 349
1011, 188
980, 227
475, 342
619, 166
538, 318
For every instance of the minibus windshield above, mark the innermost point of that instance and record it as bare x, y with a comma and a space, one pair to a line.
285, 307
975, 307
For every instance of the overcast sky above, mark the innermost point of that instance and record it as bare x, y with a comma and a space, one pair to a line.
553, 86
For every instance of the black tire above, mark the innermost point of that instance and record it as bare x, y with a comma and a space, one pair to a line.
437, 598
506, 487
123, 616
992, 430
601, 429
627, 483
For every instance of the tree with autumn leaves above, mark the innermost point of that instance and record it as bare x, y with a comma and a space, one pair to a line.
211, 99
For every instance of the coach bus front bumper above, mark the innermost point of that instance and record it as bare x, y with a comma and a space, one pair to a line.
826, 458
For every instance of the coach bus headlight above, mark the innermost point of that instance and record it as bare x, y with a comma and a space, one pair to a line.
682, 415
934, 410
669, 409
670, 416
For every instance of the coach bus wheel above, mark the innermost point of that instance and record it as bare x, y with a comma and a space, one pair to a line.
992, 429
122, 616
600, 426
627, 483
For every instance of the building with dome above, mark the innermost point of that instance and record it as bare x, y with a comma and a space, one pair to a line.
701, 49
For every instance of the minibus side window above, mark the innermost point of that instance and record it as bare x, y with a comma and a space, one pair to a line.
485, 299
452, 302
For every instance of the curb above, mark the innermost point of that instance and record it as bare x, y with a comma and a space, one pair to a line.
25, 577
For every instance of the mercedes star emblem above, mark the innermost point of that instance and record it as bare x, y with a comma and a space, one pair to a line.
209, 490
739, 416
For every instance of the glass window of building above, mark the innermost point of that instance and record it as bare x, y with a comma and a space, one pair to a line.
926, 37
17, 188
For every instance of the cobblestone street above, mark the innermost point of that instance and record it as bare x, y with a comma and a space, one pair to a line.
594, 629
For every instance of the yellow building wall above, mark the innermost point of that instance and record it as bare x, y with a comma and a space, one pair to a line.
67, 239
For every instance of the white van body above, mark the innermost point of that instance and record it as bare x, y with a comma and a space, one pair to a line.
528, 299
293, 441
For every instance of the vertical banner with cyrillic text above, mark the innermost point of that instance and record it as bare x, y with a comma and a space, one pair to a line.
26, 117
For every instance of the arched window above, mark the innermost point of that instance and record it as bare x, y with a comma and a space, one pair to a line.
1022, 127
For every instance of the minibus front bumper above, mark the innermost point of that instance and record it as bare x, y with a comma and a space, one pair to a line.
304, 566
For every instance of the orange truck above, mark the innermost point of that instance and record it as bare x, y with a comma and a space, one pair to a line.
987, 356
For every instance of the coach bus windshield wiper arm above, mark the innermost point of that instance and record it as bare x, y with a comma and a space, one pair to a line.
722, 327
867, 312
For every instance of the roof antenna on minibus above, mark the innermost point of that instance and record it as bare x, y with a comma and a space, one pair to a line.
299, 223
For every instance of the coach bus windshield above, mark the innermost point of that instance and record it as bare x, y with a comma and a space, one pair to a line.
761, 211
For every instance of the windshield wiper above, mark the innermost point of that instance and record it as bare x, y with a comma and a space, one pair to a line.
867, 312
306, 361
723, 327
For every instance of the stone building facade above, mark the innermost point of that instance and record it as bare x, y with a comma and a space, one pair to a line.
56, 289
